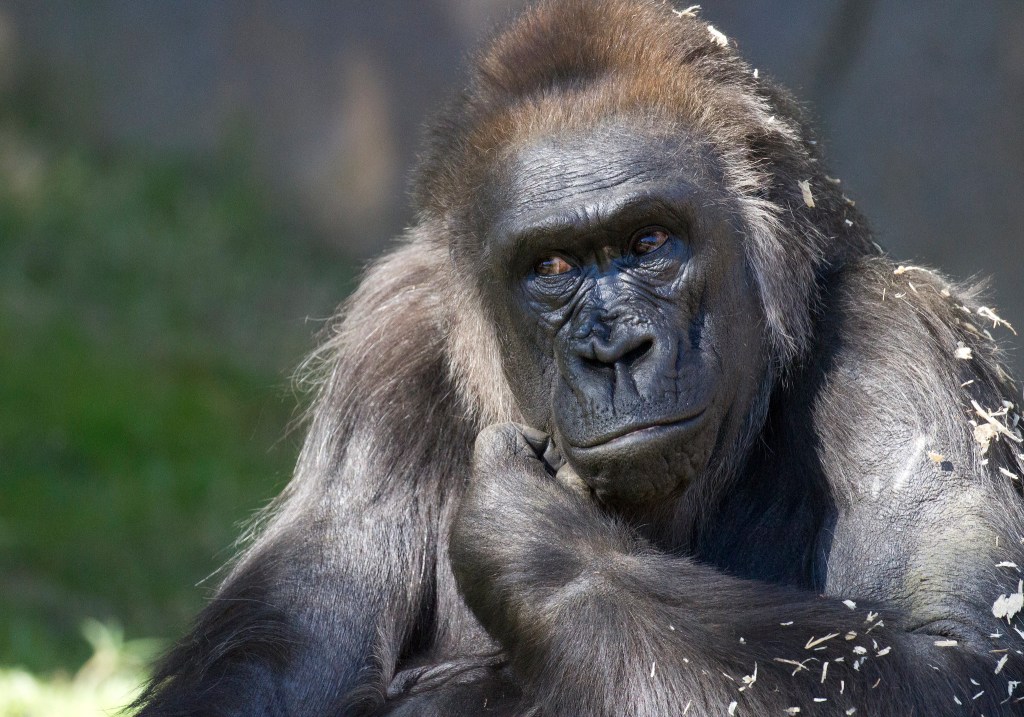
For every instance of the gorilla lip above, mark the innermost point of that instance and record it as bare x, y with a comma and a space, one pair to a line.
645, 431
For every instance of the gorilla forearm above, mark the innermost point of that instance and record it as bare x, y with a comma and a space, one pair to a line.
320, 607
298, 624
649, 635
598, 622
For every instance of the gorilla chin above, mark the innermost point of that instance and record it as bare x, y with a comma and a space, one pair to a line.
647, 462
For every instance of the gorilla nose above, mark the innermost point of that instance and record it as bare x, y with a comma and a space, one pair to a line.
624, 350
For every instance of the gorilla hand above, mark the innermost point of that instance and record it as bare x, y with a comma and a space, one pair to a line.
525, 529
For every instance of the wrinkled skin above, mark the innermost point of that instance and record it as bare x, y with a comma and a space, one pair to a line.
630, 355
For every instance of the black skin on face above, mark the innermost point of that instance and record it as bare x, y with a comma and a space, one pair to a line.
620, 275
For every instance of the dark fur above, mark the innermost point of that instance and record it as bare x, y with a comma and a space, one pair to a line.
345, 602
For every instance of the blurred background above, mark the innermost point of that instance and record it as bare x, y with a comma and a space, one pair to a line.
188, 189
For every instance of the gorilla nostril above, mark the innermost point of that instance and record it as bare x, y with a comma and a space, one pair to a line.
637, 353
605, 356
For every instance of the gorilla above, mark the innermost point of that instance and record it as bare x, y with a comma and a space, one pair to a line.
637, 420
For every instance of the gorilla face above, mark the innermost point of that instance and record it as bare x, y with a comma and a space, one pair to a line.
630, 329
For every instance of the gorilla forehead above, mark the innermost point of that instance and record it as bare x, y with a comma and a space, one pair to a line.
581, 178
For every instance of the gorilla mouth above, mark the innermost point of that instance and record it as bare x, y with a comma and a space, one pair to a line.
643, 432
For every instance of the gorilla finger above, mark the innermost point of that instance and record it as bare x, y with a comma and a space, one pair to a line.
506, 446
553, 458
539, 440
570, 479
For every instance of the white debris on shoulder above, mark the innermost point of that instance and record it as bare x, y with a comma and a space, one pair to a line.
850, 604
805, 189
1009, 474
1009, 605
798, 664
963, 351
904, 268
946, 643
688, 12
756, 73
988, 313
991, 420
749, 680
718, 36
732, 707
936, 457
983, 434
814, 642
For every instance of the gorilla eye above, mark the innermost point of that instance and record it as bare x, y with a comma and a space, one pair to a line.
647, 240
552, 266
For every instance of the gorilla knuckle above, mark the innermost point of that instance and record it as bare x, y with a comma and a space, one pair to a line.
495, 444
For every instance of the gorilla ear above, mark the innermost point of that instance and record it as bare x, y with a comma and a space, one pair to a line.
474, 356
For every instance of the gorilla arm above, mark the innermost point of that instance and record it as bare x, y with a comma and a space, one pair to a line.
598, 622
334, 586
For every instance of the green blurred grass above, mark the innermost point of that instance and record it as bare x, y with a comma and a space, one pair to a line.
106, 683
151, 308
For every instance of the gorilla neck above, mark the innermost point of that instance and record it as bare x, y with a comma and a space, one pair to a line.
680, 524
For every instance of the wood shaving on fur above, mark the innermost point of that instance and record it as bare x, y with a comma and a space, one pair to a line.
991, 315
1006, 606
805, 190
718, 36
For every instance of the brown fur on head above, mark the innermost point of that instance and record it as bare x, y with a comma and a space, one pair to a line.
567, 66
